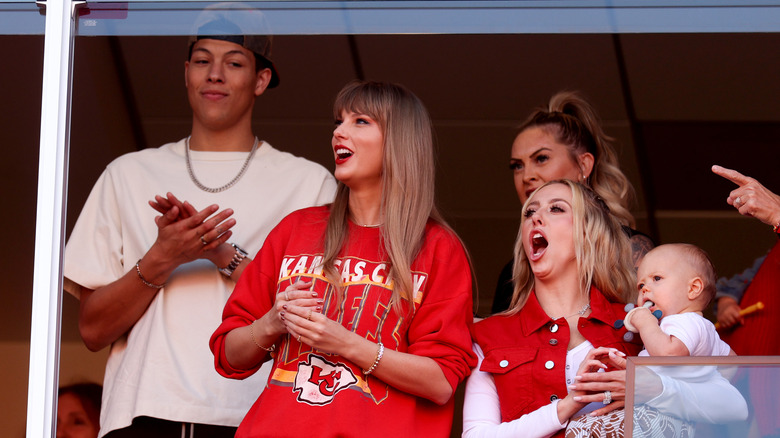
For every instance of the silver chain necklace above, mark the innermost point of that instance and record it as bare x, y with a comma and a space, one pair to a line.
581, 312
231, 183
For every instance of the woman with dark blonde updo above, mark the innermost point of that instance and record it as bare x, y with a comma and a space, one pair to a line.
564, 140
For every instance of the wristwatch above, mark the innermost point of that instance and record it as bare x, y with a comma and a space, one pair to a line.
239, 256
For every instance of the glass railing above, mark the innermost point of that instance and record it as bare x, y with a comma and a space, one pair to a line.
110, 40
444, 17
21, 18
720, 397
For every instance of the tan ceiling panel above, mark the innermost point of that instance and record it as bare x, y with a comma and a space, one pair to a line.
155, 70
495, 77
731, 77
312, 70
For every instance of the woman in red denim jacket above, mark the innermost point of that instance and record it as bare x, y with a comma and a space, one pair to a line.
572, 273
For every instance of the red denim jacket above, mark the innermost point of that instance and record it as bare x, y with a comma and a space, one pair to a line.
526, 352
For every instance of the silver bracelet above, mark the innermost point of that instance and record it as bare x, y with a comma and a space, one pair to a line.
379, 354
238, 257
144, 280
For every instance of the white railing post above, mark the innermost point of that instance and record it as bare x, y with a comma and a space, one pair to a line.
49, 225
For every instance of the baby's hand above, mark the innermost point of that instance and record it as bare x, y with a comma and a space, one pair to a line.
641, 317
631, 309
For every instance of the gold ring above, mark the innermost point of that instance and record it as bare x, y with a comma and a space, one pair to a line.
309, 317
287, 295
299, 339
203, 241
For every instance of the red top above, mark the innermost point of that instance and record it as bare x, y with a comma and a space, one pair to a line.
526, 352
758, 337
315, 393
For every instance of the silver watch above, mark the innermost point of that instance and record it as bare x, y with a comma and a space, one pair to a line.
238, 257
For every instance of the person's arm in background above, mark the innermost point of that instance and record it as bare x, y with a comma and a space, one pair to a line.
751, 199
729, 293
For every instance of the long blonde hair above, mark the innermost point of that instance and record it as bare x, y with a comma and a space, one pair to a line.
408, 176
574, 122
602, 249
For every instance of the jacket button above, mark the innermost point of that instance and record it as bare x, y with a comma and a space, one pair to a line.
553, 342
554, 328
549, 364
553, 398
504, 363
628, 337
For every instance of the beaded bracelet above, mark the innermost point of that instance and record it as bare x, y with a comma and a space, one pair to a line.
144, 280
379, 354
252, 333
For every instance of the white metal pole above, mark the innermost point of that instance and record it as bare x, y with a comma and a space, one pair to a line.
49, 226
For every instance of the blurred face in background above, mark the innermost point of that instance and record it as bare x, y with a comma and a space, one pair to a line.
73, 421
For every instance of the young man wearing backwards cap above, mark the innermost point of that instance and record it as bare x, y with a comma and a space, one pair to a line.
153, 280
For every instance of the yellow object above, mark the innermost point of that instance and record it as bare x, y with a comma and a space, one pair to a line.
746, 311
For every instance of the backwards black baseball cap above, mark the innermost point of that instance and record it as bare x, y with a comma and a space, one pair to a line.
240, 24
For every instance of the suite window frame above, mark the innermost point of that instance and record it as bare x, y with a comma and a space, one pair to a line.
62, 23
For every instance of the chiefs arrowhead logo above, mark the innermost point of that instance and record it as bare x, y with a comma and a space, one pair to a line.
318, 380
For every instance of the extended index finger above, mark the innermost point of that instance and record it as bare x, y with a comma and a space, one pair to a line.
731, 175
